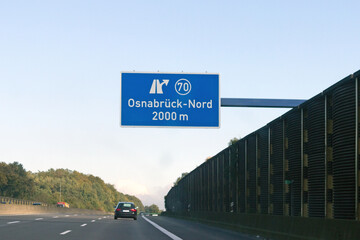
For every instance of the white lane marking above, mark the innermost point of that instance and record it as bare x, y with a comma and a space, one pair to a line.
75, 215
38, 219
99, 218
67, 215
13, 222
83, 225
93, 221
66, 232
55, 217
163, 230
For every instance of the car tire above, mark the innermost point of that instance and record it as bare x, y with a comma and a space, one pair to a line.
115, 217
135, 218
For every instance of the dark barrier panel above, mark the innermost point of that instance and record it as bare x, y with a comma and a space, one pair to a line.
242, 176
293, 164
277, 179
251, 172
344, 151
264, 178
234, 176
329, 156
303, 164
315, 126
221, 186
227, 183
211, 184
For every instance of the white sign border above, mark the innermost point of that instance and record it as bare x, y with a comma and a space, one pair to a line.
191, 127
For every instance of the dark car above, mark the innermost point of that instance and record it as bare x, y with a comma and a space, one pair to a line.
125, 210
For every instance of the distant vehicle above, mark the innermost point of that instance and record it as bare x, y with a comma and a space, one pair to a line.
63, 204
152, 214
125, 210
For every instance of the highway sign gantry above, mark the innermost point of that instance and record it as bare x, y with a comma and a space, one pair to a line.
170, 100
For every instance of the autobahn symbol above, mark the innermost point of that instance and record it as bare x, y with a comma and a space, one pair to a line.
169, 100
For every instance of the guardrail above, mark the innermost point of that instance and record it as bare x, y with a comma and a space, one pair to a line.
8, 200
13, 206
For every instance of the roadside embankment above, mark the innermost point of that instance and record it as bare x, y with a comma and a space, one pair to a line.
13, 209
13, 206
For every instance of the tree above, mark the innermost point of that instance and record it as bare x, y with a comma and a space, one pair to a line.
137, 202
233, 141
152, 209
179, 178
77, 189
15, 181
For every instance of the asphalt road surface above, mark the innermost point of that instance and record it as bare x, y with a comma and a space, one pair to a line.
93, 227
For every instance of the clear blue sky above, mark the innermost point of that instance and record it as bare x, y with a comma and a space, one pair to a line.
60, 64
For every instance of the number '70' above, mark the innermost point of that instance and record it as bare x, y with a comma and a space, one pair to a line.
183, 86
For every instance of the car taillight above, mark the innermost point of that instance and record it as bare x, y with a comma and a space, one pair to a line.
133, 210
118, 209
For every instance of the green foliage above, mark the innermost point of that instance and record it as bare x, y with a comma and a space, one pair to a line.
137, 202
152, 209
15, 181
179, 178
77, 189
233, 141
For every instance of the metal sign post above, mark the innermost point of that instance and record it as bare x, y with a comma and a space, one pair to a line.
261, 102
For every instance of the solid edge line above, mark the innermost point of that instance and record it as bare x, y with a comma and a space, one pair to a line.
163, 230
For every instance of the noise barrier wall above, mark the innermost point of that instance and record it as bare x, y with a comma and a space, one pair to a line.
302, 164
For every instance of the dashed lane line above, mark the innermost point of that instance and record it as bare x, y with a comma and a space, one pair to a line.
38, 219
66, 232
83, 225
93, 220
13, 222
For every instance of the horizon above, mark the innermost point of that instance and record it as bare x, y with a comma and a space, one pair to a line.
60, 68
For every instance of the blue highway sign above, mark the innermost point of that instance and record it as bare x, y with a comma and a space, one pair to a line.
170, 100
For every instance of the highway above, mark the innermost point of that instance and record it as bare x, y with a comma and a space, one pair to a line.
91, 227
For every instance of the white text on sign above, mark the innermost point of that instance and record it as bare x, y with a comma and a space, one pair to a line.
169, 104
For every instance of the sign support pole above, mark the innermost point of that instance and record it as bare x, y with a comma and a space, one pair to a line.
261, 102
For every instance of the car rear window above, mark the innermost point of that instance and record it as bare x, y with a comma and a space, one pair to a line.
127, 205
